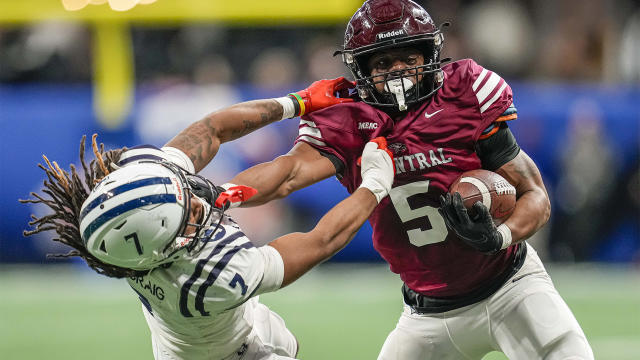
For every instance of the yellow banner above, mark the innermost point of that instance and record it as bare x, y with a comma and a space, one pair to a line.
247, 12
113, 73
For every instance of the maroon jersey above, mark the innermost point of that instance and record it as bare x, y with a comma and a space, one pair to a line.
433, 144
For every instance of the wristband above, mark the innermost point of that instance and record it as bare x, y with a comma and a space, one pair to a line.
298, 103
507, 240
288, 107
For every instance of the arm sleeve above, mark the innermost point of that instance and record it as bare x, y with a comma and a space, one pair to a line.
273, 270
250, 272
497, 149
337, 163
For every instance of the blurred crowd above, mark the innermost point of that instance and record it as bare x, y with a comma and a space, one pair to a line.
191, 69
566, 40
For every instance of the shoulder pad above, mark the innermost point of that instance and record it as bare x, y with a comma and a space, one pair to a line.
140, 153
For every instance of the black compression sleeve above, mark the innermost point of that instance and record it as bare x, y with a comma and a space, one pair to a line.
498, 149
337, 163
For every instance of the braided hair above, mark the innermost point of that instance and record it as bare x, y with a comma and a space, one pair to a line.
67, 192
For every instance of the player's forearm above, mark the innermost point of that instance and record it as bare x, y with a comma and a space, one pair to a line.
339, 225
301, 167
202, 139
302, 251
531, 213
532, 207
271, 179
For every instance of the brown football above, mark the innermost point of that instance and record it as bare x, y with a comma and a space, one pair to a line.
494, 191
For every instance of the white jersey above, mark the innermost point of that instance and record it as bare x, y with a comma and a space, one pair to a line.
201, 306
198, 307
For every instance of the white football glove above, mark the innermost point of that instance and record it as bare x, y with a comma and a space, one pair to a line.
377, 168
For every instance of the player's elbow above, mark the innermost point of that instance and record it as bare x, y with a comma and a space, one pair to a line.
326, 243
288, 165
284, 190
213, 126
544, 206
546, 211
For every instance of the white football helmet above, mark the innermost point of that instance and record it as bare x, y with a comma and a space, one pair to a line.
136, 216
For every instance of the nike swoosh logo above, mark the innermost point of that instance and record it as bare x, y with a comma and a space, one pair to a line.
427, 115
499, 213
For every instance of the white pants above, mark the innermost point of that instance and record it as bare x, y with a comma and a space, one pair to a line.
269, 339
525, 319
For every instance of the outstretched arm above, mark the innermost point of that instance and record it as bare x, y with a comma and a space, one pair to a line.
302, 251
301, 167
201, 140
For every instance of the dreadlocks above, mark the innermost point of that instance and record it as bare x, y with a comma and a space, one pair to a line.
67, 193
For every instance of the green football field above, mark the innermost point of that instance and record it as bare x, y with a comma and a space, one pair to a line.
336, 311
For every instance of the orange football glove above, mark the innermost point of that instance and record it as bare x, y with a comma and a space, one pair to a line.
320, 94
234, 194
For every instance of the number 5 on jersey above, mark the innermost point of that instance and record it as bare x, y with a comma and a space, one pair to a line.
430, 229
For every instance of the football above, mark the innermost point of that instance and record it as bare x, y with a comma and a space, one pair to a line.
494, 191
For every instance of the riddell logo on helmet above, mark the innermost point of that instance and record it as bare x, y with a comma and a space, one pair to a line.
175, 181
390, 34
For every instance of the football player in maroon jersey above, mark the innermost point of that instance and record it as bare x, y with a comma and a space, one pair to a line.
469, 287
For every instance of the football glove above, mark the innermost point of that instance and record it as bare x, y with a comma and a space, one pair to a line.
480, 232
234, 195
377, 168
320, 94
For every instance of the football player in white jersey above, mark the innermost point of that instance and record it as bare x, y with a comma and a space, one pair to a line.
148, 218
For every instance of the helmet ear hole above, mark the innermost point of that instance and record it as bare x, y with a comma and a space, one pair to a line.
102, 247
120, 226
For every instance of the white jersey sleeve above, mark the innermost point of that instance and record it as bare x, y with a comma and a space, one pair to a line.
149, 152
273, 270
250, 272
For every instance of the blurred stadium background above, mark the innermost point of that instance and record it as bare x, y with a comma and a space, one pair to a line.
142, 75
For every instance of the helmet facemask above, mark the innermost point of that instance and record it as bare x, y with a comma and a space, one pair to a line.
381, 25
190, 234
404, 87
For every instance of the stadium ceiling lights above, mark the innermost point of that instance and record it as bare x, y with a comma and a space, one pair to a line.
118, 5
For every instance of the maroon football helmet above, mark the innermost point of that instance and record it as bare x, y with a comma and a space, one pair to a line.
385, 24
